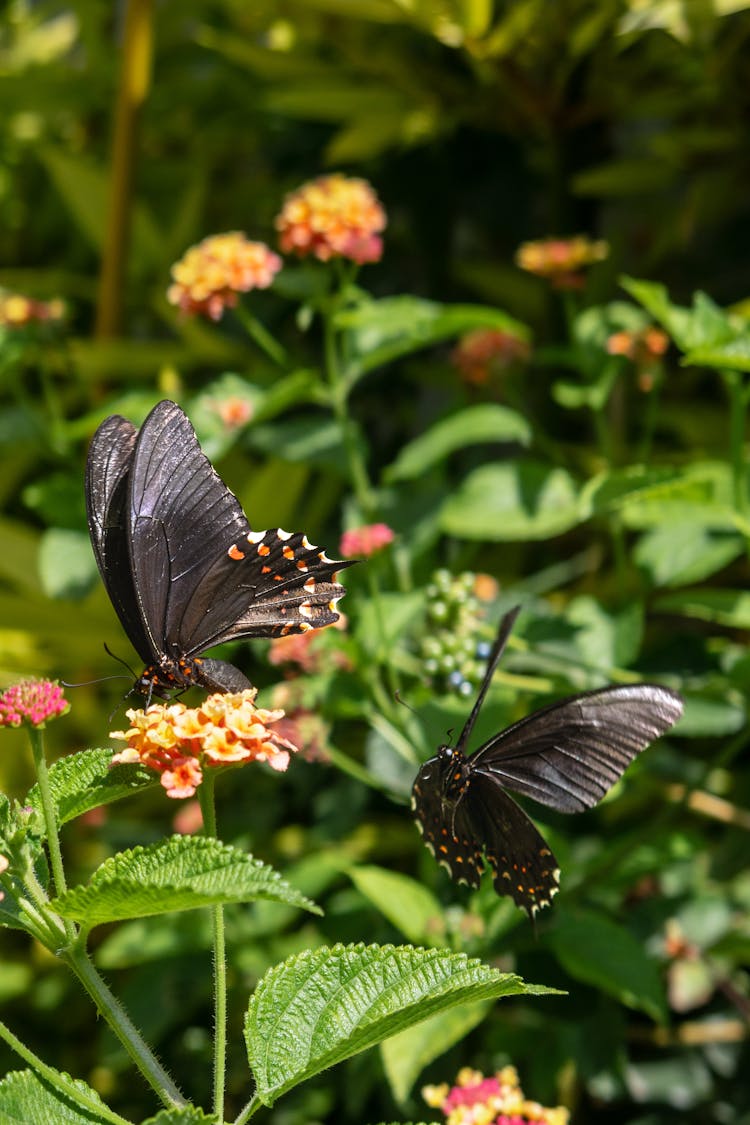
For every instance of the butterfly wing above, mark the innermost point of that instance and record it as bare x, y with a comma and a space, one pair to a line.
569, 754
201, 576
460, 825
107, 473
522, 862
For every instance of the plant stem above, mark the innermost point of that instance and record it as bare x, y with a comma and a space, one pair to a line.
262, 337
208, 808
734, 382
125, 1030
249, 1110
339, 402
50, 819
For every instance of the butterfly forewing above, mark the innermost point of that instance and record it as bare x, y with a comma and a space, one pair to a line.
568, 755
107, 507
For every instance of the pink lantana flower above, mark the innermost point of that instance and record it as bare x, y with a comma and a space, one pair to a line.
333, 216
499, 1100
367, 540
33, 702
210, 276
561, 260
3, 868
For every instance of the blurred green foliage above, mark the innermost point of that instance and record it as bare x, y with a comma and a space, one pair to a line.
606, 493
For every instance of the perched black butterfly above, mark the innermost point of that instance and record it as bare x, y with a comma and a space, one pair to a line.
180, 563
566, 756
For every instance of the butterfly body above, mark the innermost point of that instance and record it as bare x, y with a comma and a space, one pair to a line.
182, 567
566, 756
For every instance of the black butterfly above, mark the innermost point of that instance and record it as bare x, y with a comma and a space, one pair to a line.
566, 756
180, 563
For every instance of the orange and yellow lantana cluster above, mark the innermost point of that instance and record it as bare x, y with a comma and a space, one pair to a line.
561, 260
180, 742
333, 216
209, 276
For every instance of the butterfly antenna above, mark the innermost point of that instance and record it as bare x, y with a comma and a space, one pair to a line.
408, 706
504, 631
119, 660
100, 680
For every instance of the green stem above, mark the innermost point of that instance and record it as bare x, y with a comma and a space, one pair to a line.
50, 819
734, 382
248, 1111
262, 337
339, 404
58, 1082
208, 808
125, 1030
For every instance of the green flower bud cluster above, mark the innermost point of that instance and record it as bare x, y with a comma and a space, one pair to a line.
453, 660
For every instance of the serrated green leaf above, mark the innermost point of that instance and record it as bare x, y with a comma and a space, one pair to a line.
181, 873
409, 905
26, 1099
606, 955
324, 1005
84, 781
487, 422
191, 1115
407, 1054
515, 500
381, 331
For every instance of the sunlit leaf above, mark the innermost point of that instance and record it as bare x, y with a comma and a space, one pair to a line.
512, 500
487, 422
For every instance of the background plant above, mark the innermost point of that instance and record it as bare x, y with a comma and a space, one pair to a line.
606, 490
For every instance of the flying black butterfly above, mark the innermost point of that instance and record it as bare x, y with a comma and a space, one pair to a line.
181, 566
566, 756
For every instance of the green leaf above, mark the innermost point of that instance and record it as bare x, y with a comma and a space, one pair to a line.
724, 607
487, 422
706, 717
26, 1099
511, 501
606, 955
407, 1054
190, 1115
734, 354
407, 904
677, 554
324, 1005
381, 331
84, 781
181, 873
66, 563
647, 497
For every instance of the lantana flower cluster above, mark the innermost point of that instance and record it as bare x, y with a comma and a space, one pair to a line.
645, 349
365, 541
210, 276
3, 867
561, 260
333, 216
18, 311
499, 1100
31, 701
485, 352
180, 742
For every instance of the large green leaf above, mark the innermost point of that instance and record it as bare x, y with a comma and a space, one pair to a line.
324, 1005
409, 905
181, 873
512, 500
487, 422
381, 331
407, 1054
676, 554
84, 781
606, 955
26, 1099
